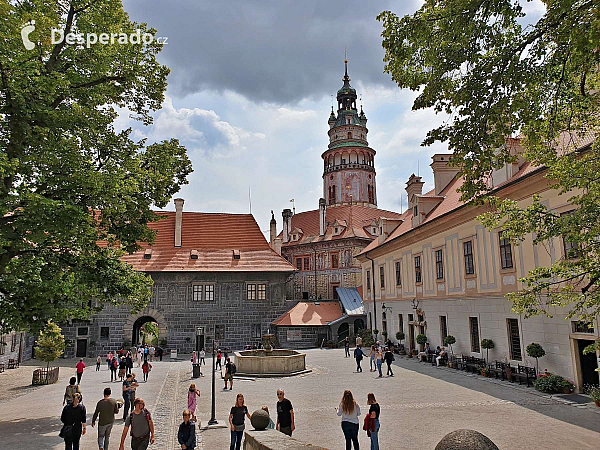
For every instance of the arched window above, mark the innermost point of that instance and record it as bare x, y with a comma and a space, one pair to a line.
349, 134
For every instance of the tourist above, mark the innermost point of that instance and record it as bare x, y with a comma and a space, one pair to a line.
388, 358
374, 411
285, 414
113, 368
73, 418
423, 355
193, 395
358, 341
349, 410
237, 416
186, 436
134, 386
129, 362
142, 427
371, 356
229, 374
70, 391
121, 352
140, 354
128, 388
378, 360
146, 352
106, 409
122, 368
440, 357
79, 367
358, 355
225, 355
347, 347
202, 355
109, 357
146, 368
159, 353
151, 351
98, 362
271, 425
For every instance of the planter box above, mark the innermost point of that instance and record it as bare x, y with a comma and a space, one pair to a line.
45, 376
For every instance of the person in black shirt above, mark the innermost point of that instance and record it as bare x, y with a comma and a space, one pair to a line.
228, 374
358, 355
285, 414
374, 411
236, 422
388, 357
73, 417
347, 347
186, 435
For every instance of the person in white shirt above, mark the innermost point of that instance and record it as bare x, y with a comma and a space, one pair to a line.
151, 352
349, 410
202, 355
439, 358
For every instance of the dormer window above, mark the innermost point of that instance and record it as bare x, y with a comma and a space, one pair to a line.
148, 253
193, 254
349, 134
415, 211
236, 254
336, 230
374, 230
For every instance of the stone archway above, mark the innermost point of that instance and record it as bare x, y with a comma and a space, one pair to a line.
147, 315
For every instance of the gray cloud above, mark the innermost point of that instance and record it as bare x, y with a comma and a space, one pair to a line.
269, 51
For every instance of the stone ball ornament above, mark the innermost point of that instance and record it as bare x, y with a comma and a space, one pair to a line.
260, 419
465, 440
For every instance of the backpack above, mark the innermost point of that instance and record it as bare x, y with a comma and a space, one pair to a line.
147, 415
232, 369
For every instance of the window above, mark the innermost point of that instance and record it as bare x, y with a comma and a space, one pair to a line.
256, 331
335, 261
368, 280
417, 269
384, 323
468, 253
82, 331
374, 231
381, 277
204, 292
197, 292
474, 329
303, 263
411, 318
439, 265
398, 275
349, 135
570, 247
579, 326
400, 322
104, 332
251, 291
13, 342
415, 211
505, 252
262, 291
219, 332
3, 344
443, 328
209, 292
299, 263
514, 340
306, 263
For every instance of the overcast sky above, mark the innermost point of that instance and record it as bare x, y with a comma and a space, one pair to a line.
250, 93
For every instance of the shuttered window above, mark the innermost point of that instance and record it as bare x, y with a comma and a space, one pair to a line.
514, 339
474, 329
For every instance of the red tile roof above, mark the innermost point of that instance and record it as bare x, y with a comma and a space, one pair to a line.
356, 218
214, 236
311, 314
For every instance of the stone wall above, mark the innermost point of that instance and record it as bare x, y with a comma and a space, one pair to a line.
14, 345
274, 440
309, 336
179, 316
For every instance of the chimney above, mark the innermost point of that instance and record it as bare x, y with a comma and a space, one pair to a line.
443, 172
414, 186
277, 246
178, 220
273, 229
287, 224
322, 217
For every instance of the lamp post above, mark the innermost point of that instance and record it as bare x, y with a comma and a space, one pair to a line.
212, 420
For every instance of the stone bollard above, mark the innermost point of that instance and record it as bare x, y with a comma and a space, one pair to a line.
260, 419
465, 440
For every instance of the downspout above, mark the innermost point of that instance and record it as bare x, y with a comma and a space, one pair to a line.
374, 301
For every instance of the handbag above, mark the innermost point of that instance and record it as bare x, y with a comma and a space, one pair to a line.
66, 432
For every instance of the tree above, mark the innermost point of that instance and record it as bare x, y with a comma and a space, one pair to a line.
76, 194
421, 339
50, 344
487, 344
400, 335
449, 340
497, 79
535, 351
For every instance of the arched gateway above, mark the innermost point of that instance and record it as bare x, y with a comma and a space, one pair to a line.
136, 321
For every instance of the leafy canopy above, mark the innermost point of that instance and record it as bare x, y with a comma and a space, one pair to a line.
496, 77
68, 178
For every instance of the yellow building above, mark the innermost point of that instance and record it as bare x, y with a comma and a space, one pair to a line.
438, 271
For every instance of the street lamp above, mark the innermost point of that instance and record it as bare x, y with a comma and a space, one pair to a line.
212, 420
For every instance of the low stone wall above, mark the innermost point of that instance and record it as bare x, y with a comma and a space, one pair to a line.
274, 440
278, 362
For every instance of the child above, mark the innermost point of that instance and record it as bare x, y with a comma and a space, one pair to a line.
271, 423
187, 432
193, 395
98, 361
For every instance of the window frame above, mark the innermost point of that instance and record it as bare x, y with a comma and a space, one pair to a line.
474, 326
439, 264
251, 291
382, 277
368, 278
418, 272
468, 258
104, 335
200, 292
253, 330
398, 268
219, 332
337, 260
512, 346
443, 327
505, 252
261, 291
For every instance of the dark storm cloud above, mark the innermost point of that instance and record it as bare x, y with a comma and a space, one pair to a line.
269, 51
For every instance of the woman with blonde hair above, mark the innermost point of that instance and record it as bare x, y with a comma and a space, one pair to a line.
236, 422
349, 410
374, 411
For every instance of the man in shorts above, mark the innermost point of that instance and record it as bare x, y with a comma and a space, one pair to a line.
142, 427
228, 374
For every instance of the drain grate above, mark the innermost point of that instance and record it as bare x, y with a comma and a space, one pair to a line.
576, 398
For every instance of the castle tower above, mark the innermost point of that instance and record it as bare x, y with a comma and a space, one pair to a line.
349, 162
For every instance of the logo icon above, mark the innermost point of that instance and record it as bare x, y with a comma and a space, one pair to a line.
25, 32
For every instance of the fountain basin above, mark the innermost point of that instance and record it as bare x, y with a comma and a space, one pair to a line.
273, 363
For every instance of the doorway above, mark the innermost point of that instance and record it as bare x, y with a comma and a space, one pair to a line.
199, 342
145, 331
587, 363
81, 351
343, 331
411, 336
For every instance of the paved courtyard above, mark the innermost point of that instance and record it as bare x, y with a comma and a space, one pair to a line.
420, 404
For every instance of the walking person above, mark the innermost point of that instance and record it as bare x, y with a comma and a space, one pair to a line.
237, 416
79, 367
378, 360
109, 357
389, 358
128, 388
159, 352
229, 371
129, 362
151, 351
70, 391
140, 354
285, 414
122, 368
374, 411
186, 436
105, 413
349, 410
202, 355
146, 368
371, 356
193, 395
113, 368
347, 347
219, 356
73, 418
358, 341
98, 362
142, 427
358, 355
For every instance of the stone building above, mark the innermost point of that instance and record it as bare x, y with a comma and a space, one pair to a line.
322, 244
215, 276
440, 272
15, 345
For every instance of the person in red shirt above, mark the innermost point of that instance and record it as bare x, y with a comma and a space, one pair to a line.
80, 366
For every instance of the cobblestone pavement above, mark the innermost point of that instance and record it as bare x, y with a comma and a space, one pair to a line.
419, 406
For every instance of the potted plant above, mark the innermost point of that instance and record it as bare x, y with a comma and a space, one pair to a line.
535, 351
594, 392
400, 337
385, 335
449, 340
567, 386
375, 334
485, 372
421, 339
487, 344
415, 352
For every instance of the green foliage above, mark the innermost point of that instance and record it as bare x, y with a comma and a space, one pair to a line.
535, 350
163, 342
50, 343
449, 340
400, 336
593, 391
487, 344
551, 383
421, 339
61, 158
495, 78
367, 337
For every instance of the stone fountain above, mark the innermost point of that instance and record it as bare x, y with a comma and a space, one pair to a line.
269, 362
